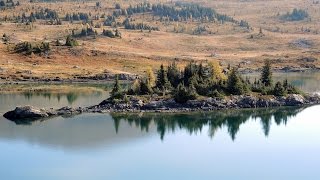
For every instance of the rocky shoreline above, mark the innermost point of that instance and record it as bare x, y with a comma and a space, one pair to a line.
29, 113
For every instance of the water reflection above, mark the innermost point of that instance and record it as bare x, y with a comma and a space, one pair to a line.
89, 131
54, 96
70, 96
194, 122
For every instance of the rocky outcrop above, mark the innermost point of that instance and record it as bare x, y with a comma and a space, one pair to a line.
167, 105
26, 112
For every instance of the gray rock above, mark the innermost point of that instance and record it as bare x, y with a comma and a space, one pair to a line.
248, 102
26, 112
294, 100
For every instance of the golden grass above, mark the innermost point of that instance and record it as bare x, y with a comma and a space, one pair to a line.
138, 50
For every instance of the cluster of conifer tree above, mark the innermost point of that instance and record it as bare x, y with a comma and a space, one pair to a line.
8, 3
204, 80
43, 14
77, 17
112, 34
29, 48
296, 15
140, 26
183, 12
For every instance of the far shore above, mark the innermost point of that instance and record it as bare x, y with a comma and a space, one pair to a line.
126, 78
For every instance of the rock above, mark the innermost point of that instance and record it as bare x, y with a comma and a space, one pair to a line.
248, 102
26, 112
294, 100
153, 105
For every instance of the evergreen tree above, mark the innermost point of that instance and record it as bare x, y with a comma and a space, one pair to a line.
162, 80
116, 91
173, 74
279, 90
145, 87
182, 94
135, 88
266, 75
189, 71
235, 84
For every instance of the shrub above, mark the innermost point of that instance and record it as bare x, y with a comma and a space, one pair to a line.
145, 87
279, 90
182, 94
217, 94
111, 34
235, 84
71, 42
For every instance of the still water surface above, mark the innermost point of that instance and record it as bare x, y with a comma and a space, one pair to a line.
281, 143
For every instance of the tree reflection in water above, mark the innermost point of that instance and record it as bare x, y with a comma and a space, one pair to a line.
194, 122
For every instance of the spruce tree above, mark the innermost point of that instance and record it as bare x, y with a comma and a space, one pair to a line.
235, 84
279, 90
266, 75
162, 79
116, 91
173, 74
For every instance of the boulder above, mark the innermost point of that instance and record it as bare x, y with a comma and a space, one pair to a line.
26, 112
294, 100
248, 102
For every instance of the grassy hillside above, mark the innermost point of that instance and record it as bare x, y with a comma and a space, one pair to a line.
240, 33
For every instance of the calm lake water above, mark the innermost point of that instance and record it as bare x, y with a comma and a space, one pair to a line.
279, 143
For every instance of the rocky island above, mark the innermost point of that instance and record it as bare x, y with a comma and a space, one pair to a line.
197, 88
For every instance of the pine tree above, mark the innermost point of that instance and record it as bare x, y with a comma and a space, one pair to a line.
266, 75
182, 94
162, 80
235, 84
279, 90
189, 71
173, 74
116, 91
145, 87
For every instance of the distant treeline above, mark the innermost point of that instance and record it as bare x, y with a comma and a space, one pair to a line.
180, 12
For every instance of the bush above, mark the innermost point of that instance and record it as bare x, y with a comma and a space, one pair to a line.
235, 84
71, 42
28, 48
217, 94
145, 87
183, 94
279, 90
111, 34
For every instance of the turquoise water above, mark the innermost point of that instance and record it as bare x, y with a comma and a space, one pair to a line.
281, 143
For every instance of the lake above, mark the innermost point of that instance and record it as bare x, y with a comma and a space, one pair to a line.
278, 143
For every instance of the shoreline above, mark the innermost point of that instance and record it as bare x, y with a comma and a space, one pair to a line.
27, 114
126, 78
